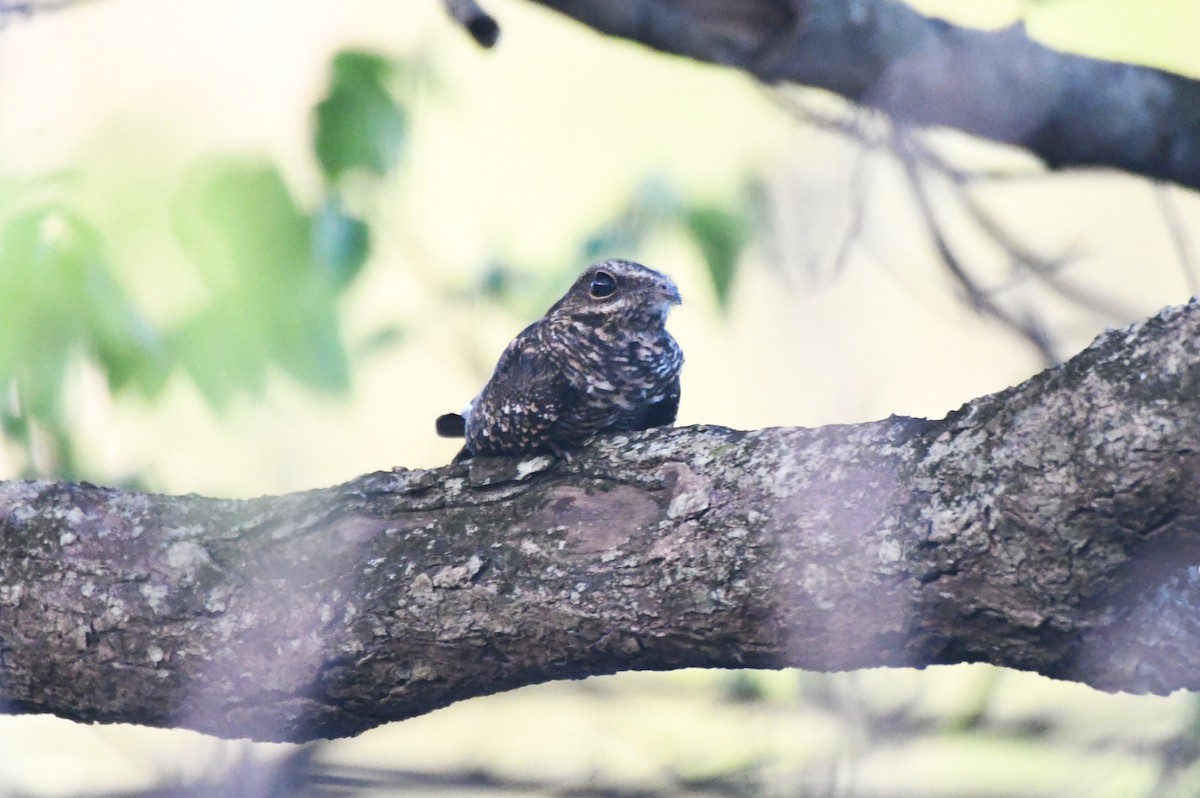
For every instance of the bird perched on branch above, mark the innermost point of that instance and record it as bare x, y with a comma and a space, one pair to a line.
599, 360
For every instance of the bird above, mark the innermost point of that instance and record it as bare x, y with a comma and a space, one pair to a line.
599, 360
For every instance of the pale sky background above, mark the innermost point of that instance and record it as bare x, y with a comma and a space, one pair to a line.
127, 95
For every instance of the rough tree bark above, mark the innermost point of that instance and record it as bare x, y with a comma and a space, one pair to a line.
1051, 527
1068, 110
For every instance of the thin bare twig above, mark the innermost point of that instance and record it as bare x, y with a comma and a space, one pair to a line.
1183, 244
1024, 260
1048, 271
861, 174
1028, 328
851, 125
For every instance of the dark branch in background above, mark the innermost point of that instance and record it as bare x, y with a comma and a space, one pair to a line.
28, 8
479, 23
1052, 527
1068, 110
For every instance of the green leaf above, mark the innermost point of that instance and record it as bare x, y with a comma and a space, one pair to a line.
240, 224
273, 273
63, 300
721, 236
340, 243
310, 349
359, 125
15, 427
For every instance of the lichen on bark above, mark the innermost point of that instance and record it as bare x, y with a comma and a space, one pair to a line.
1050, 527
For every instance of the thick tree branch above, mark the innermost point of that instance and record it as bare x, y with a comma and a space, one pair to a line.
1051, 527
1068, 110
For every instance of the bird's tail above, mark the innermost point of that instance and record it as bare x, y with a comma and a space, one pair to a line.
451, 425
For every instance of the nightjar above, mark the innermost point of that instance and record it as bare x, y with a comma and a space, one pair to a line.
599, 360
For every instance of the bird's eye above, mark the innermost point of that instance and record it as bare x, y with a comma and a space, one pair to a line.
603, 285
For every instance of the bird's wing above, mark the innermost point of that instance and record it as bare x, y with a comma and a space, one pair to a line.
523, 399
662, 413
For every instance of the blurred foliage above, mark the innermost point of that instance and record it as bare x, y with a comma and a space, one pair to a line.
272, 272
720, 233
360, 125
720, 230
272, 269
61, 300
881, 733
271, 293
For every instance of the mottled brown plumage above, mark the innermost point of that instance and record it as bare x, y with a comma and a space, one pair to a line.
599, 360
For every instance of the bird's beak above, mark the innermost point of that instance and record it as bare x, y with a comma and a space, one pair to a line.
669, 292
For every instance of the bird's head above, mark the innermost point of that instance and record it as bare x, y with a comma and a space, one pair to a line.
619, 291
